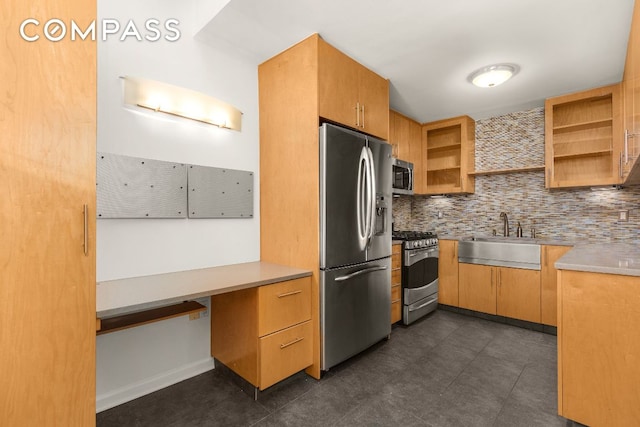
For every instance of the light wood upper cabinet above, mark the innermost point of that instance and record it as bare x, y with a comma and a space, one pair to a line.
351, 94
47, 188
448, 156
548, 283
583, 138
448, 272
631, 95
406, 142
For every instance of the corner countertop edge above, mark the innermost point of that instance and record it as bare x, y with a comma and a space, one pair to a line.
613, 258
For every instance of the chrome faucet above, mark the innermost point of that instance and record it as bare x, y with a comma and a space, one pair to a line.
503, 215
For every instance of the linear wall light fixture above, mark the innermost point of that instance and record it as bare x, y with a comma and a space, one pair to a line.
180, 102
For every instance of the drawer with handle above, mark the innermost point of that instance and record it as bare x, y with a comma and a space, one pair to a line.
283, 304
284, 353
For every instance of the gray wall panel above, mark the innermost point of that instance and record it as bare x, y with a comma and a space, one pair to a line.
220, 193
130, 187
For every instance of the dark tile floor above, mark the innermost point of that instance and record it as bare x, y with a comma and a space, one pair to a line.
445, 370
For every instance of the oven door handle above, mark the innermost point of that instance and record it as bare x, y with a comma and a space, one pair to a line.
414, 257
359, 272
423, 305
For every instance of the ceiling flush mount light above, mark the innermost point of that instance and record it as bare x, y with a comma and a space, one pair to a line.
177, 101
493, 75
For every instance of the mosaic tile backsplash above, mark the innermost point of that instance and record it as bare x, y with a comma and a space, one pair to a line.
517, 140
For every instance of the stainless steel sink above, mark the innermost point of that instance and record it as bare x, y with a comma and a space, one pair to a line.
517, 252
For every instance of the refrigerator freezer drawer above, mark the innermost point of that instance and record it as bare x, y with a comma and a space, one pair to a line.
355, 309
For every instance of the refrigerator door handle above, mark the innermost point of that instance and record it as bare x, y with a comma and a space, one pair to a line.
372, 195
360, 202
360, 272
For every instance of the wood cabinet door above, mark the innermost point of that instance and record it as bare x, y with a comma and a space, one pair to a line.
283, 304
47, 256
599, 349
284, 353
477, 290
519, 293
548, 283
373, 97
448, 272
415, 156
338, 88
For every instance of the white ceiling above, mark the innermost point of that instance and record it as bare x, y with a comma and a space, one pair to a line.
427, 48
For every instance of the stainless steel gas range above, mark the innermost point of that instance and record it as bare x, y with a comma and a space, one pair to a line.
419, 274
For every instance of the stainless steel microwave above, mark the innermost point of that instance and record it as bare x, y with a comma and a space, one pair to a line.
402, 180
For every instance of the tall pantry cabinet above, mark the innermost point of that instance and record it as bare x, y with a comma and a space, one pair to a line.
298, 88
47, 220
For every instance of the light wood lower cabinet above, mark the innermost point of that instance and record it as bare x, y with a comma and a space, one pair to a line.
477, 287
448, 272
518, 293
598, 348
509, 292
264, 334
548, 283
396, 283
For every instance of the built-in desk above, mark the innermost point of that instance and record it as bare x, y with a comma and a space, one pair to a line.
260, 313
122, 296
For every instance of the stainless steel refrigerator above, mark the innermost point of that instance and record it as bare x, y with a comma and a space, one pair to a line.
355, 242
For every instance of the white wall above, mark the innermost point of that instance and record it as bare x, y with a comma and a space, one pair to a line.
136, 361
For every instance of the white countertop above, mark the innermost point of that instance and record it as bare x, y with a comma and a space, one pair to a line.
121, 296
611, 258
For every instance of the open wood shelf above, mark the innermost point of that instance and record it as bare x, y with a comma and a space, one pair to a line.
441, 189
583, 154
125, 321
443, 168
444, 147
508, 170
583, 125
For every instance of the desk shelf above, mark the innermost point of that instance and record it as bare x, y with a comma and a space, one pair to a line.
125, 321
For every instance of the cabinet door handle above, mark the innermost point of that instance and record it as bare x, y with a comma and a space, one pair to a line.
357, 114
626, 146
285, 345
492, 278
85, 243
288, 294
363, 115
620, 167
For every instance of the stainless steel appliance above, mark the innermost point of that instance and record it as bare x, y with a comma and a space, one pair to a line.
355, 242
419, 274
402, 177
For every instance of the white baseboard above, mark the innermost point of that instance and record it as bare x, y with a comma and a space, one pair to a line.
133, 391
